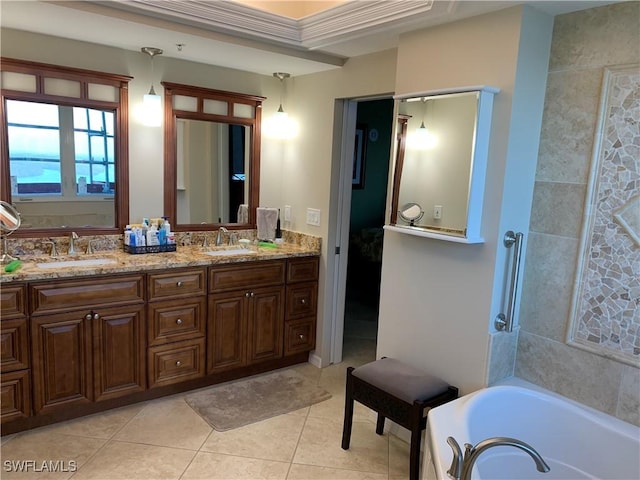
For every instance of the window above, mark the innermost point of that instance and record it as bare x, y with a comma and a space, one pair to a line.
60, 151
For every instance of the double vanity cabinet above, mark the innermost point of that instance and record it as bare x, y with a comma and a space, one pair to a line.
80, 345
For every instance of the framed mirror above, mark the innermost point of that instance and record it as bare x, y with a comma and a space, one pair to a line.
212, 157
64, 148
441, 156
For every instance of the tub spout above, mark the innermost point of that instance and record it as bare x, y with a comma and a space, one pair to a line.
472, 453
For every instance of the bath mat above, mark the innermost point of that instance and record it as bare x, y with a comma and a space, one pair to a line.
240, 403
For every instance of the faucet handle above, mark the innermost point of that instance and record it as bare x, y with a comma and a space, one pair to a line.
455, 470
90, 247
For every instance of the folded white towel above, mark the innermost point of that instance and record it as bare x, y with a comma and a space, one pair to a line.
266, 220
243, 213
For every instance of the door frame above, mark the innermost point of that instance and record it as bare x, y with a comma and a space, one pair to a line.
346, 111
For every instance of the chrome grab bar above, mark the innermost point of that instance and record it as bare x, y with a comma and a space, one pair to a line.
504, 322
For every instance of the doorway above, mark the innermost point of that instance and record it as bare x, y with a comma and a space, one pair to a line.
370, 178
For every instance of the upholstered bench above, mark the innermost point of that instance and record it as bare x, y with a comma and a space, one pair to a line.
399, 392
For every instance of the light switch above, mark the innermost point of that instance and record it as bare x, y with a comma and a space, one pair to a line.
313, 216
437, 212
287, 213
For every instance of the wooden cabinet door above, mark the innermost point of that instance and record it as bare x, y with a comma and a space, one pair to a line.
119, 357
226, 331
61, 361
265, 324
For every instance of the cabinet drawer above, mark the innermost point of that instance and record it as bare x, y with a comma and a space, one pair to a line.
302, 300
12, 301
177, 284
299, 336
14, 344
246, 275
302, 269
14, 396
176, 362
176, 320
88, 292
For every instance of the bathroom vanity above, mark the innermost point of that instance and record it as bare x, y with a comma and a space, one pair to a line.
85, 338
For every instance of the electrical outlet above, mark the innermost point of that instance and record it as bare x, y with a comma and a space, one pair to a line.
287, 213
437, 212
313, 216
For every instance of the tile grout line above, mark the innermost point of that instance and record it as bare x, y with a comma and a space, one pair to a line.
295, 450
107, 442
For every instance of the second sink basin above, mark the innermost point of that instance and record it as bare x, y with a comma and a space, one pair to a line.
76, 263
231, 251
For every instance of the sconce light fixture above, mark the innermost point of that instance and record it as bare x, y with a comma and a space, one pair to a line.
152, 102
280, 125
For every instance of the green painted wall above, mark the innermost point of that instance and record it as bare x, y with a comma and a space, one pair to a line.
368, 203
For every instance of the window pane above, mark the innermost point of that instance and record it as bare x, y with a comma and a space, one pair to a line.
79, 118
29, 113
94, 148
34, 147
96, 120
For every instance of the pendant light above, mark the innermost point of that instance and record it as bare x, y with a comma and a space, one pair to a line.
152, 102
280, 125
424, 139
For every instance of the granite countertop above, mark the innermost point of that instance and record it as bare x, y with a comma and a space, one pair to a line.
121, 262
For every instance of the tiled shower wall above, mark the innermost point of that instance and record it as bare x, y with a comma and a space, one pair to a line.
583, 44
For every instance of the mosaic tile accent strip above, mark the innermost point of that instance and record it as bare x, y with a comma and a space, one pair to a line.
606, 305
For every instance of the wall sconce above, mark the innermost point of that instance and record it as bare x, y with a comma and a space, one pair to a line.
280, 125
152, 102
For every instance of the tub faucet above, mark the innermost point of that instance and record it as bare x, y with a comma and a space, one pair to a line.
221, 230
461, 466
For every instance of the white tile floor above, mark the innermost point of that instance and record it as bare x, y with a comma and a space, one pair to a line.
165, 439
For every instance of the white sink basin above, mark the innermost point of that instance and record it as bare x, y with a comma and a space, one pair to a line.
76, 263
231, 251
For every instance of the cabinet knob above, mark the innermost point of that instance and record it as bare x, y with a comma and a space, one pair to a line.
301, 337
251, 295
246, 294
96, 316
179, 321
88, 316
178, 363
179, 283
303, 301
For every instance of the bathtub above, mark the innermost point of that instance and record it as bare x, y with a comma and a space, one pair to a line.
577, 442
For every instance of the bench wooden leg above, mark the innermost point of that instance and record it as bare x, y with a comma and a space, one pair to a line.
348, 411
380, 424
417, 411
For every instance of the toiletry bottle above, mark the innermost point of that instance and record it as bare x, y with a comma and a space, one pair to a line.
152, 236
166, 226
278, 230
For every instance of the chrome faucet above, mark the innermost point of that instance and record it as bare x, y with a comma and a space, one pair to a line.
221, 230
54, 250
461, 466
72, 243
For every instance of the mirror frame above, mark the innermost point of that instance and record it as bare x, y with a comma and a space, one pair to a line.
478, 167
41, 72
171, 115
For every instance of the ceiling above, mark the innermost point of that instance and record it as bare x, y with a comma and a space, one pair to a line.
261, 36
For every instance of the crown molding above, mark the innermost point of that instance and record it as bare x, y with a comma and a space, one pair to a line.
343, 22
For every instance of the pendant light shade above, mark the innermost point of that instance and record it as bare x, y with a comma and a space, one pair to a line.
152, 102
280, 126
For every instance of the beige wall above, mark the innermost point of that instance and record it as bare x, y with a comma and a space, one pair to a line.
583, 44
438, 299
